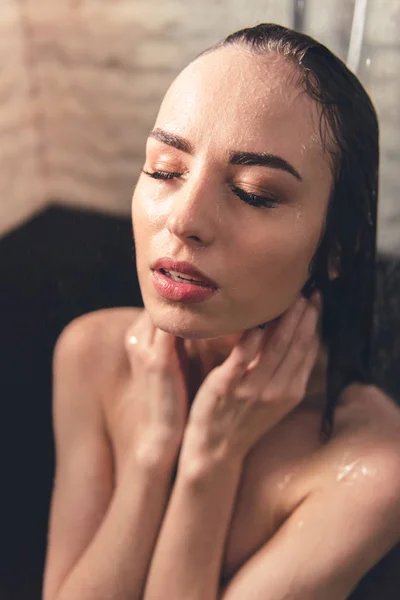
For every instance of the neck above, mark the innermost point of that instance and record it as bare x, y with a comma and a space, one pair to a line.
205, 355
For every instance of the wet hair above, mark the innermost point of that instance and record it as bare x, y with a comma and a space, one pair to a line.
350, 135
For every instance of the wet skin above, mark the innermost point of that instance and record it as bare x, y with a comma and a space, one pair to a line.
225, 103
296, 496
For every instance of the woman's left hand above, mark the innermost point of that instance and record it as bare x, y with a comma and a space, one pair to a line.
262, 380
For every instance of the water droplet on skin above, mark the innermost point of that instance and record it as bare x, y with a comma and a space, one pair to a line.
283, 483
354, 471
133, 340
347, 472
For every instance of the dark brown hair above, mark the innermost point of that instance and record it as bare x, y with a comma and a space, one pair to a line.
349, 133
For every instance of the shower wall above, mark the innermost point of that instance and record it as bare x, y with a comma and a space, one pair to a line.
81, 82
21, 178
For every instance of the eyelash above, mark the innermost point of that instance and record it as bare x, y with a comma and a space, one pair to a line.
252, 199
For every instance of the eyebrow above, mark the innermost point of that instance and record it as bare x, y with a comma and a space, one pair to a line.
261, 159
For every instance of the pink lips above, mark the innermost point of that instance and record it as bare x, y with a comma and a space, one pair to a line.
185, 268
183, 291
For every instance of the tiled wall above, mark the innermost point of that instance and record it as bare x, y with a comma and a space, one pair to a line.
21, 191
81, 82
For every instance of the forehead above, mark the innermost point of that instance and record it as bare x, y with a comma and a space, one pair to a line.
233, 97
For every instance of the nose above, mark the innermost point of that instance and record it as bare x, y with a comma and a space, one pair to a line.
195, 210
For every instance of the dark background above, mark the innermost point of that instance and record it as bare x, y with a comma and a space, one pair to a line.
59, 265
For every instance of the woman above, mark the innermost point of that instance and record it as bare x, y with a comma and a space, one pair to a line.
190, 460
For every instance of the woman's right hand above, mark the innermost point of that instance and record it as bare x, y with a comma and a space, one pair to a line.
158, 388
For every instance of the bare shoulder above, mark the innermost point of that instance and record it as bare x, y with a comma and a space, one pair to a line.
290, 464
95, 342
364, 447
368, 410
369, 431
106, 324
368, 421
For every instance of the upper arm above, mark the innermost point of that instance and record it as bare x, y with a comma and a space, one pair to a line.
83, 476
332, 539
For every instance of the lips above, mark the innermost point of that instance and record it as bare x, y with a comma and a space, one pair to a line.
185, 268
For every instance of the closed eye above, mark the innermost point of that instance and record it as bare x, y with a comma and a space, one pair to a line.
255, 199
251, 199
161, 174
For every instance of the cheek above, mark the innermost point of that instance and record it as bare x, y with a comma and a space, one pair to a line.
140, 211
145, 209
279, 262
140, 221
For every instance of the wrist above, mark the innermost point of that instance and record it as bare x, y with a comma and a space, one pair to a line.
155, 452
199, 460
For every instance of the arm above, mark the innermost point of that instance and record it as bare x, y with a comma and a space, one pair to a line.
227, 417
100, 540
188, 557
331, 540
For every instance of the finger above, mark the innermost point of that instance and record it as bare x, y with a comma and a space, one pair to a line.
243, 353
165, 342
139, 329
297, 388
166, 348
140, 336
303, 375
303, 341
134, 337
277, 343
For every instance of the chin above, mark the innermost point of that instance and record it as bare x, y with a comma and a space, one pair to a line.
173, 324
184, 326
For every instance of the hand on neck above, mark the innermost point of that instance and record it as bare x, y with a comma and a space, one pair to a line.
206, 354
